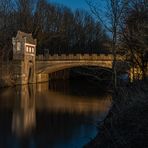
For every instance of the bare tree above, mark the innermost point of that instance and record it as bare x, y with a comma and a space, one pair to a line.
50, 23
109, 13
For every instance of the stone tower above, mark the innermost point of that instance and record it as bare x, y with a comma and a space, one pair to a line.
24, 53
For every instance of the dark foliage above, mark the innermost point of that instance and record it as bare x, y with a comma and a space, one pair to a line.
57, 28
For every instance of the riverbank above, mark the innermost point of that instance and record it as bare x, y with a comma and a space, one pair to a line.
126, 124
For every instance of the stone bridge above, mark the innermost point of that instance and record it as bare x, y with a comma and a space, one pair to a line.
52, 63
29, 68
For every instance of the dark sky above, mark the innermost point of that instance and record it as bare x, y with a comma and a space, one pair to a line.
74, 4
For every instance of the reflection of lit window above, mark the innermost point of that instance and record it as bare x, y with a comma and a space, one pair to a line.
27, 49
18, 46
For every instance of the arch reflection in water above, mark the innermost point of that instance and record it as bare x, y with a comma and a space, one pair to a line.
69, 118
24, 115
57, 100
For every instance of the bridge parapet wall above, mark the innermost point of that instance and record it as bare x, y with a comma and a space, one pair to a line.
74, 57
55, 57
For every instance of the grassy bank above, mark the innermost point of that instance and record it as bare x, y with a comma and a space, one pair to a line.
126, 125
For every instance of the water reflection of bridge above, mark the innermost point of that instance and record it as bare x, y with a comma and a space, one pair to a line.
29, 99
60, 102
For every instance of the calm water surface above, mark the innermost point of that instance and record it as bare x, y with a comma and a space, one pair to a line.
55, 115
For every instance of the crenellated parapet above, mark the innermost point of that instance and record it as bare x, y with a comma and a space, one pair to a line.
92, 57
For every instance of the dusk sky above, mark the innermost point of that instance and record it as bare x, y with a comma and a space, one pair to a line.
74, 4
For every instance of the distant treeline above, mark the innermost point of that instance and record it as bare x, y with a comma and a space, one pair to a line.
57, 28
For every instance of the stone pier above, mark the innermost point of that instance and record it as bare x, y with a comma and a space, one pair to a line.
42, 78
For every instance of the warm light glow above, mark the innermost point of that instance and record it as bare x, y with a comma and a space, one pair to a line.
27, 50
30, 49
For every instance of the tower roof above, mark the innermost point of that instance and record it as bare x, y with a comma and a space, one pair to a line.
27, 36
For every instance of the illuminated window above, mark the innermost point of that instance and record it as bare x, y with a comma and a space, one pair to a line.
32, 50
27, 49
18, 46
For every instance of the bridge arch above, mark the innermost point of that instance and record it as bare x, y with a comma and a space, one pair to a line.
45, 68
48, 68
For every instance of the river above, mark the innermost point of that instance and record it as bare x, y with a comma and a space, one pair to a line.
59, 114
